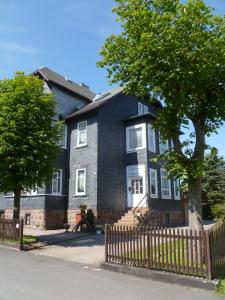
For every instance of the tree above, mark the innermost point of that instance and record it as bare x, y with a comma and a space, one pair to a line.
173, 52
213, 187
28, 136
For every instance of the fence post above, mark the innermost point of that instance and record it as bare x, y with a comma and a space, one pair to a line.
106, 242
148, 248
208, 255
21, 234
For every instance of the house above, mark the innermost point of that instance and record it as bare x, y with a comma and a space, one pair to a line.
47, 206
104, 161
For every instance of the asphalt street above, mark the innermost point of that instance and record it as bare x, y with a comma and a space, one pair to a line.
25, 276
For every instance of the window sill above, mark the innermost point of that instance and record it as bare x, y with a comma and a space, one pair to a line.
166, 197
82, 146
79, 195
134, 150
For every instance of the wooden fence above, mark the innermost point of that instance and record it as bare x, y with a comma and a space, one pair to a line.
172, 250
217, 249
11, 231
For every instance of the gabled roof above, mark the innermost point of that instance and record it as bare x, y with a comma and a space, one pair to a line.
97, 102
51, 76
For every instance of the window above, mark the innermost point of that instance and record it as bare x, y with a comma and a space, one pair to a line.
165, 185
163, 145
142, 109
177, 189
27, 219
137, 186
151, 139
57, 183
80, 182
63, 141
82, 134
153, 183
167, 218
145, 109
136, 137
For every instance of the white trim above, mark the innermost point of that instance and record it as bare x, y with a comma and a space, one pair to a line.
76, 184
78, 134
151, 129
60, 171
174, 187
156, 195
139, 172
165, 196
143, 127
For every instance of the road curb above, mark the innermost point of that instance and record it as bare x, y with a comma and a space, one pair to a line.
188, 281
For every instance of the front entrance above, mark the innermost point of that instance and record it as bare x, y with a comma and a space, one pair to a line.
136, 189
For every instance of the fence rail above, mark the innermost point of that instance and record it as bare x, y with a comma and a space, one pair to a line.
172, 250
11, 231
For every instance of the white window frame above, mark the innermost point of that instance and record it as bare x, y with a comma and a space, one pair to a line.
176, 197
156, 195
78, 134
65, 134
140, 108
76, 184
145, 109
60, 171
150, 128
163, 146
165, 196
143, 126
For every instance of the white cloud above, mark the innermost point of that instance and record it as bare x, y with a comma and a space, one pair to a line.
17, 48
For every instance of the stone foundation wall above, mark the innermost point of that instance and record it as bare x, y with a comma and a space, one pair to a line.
42, 218
167, 218
104, 216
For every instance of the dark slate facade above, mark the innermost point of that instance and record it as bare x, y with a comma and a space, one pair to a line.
104, 157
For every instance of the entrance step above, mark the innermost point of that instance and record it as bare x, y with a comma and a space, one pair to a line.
134, 217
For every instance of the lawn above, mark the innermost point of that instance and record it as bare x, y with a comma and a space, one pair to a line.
221, 287
27, 239
172, 256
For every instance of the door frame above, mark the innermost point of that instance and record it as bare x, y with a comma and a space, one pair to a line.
141, 172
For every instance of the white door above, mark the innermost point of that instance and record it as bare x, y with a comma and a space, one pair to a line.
135, 185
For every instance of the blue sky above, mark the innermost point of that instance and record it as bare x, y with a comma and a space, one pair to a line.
65, 36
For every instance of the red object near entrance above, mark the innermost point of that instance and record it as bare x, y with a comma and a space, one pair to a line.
78, 218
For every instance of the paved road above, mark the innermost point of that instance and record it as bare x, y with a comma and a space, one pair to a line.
28, 276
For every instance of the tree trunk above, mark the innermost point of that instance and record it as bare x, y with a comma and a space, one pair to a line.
16, 208
194, 205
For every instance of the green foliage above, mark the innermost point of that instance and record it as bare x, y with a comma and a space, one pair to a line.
213, 188
173, 52
220, 290
28, 136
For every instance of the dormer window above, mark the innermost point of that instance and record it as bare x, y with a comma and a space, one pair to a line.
142, 109
82, 134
